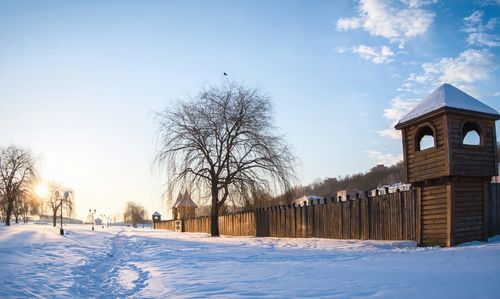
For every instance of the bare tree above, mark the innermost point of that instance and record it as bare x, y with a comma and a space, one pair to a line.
17, 172
134, 213
3, 207
54, 195
224, 141
57, 199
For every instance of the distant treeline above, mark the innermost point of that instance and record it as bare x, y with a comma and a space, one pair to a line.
367, 181
377, 176
364, 181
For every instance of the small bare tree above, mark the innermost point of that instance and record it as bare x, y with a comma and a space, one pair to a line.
17, 172
54, 195
224, 141
57, 199
134, 213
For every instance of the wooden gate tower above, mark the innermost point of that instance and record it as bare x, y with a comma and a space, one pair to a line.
449, 149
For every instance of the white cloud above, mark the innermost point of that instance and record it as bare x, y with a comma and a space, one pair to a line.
384, 158
399, 107
395, 21
390, 133
342, 49
344, 24
480, 34
467, 68
418, 3
488, 2
380, 55
496, 94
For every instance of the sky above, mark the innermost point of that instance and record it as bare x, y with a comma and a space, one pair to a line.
80, 81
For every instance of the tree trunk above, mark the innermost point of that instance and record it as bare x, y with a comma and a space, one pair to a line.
10, 203
54, 217
17, 218
214, 214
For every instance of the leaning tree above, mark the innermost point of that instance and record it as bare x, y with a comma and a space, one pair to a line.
17, 172
224, 141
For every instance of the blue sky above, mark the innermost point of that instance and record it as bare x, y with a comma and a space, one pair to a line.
80, 80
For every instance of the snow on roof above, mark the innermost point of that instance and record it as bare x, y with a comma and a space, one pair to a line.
314, 196
156, 214
184, 200
449, 96
308, 197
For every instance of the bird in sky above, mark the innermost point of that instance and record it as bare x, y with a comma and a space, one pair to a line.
225, 74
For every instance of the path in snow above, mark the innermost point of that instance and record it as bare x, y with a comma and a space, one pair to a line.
82, 264
124, 262
111, 273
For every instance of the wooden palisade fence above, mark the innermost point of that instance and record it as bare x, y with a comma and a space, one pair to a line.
385, 217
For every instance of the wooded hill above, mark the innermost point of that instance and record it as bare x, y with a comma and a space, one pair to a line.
378, 175
367, 181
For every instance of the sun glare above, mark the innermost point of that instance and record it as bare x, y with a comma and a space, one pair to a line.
42, 190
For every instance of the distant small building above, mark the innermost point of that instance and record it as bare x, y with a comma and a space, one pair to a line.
342, 195
184, 207
98, 221
156, 216
388, 189
310, 200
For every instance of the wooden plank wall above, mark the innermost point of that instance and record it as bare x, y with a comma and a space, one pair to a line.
494, 208
469, 211
466, 160
430, 163
385, 217
197, 225
434, 213
167, 225
235, 224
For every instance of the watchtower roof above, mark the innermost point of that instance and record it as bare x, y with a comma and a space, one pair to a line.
447, 96
184, 200
156, 214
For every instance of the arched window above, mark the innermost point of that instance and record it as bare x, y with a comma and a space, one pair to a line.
424, 139
471, 134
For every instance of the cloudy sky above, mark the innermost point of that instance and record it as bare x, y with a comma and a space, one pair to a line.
80, 80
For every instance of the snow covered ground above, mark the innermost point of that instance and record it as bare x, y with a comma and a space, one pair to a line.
124, 262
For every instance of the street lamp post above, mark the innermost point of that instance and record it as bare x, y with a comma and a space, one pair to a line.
66, 195
92, 213
103, 216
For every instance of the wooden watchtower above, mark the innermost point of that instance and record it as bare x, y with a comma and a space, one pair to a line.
449, 149
184, 207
